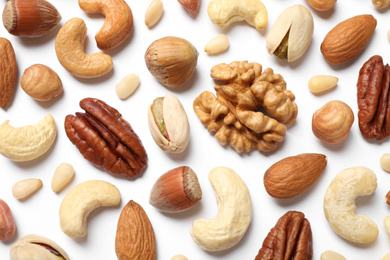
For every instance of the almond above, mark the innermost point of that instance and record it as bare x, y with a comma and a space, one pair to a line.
348, 38
134, 235
293, 175
8, 70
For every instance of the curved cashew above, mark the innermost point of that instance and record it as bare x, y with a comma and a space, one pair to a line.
82, 200
225, 12
28, 142
69, 47
340, 208
117, 25
234, 214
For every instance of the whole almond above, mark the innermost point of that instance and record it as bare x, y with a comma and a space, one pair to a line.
8, 70
293, 175
348, 38
134, 235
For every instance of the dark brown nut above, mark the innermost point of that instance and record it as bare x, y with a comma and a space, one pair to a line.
234, 115
105, 139
291, 238
373, 99
7, 222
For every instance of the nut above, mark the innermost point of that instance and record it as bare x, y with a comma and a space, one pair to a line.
388, 198
30, 18
25, 188
81, 200
340, 208
217, 45
224, 12
168, 124
291, 34
321, 5
63, 175
105, 139
127, 86
171, 60
192, 6
234, 114
28, 142
36, 247
373, 87
332, 122
348, 38
385, 162
381, 4
386, 223
322, 83
117, 25
179, 257
228, 227
386, 257
7, 222
8, 71
331, 255
291, 238
293, 175
153, 13
69, 46
134, 234
176, 190
41, 82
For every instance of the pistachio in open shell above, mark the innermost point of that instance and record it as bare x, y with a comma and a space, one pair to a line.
171, 60
34, 247
168, 124
291, 34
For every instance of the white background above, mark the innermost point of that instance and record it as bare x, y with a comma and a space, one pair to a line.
39, 214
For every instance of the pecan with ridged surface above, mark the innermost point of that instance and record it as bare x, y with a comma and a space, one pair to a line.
290, 239
373, 99
105, 139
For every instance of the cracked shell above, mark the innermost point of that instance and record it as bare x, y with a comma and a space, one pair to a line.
291, 34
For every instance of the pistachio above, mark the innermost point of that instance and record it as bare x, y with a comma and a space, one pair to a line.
34, 247
168, 124
291, 34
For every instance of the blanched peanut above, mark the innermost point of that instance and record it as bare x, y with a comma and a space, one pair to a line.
179, 257
154, 13
127, 86
25, 188
331, 255
217, 45
322, 83
63, 175
385, 162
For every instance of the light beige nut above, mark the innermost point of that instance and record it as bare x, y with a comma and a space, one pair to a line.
82, 200
154, 13
386, 257
340, 207
28, 142
388, 35
291, 34
117, 25
25, 188
41, 82
179, 257
69, 46
168, 124
127, 86
380, 4
7, 222
225, 12
386, 223
385, 162
321, 83
217, 45
230, 224
63, 175
321, 5
34, 247
331, 255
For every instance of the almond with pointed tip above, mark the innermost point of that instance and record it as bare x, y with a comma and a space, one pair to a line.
8, 71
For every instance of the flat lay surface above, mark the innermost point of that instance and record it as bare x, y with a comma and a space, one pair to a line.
39, 214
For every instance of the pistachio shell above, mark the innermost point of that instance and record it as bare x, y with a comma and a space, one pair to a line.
298, 22
176, 124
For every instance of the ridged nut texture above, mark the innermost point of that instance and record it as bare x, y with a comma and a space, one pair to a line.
8, 71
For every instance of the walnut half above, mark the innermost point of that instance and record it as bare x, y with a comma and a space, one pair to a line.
235, 114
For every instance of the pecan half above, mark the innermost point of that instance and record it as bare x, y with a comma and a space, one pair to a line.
291, 238
105, 139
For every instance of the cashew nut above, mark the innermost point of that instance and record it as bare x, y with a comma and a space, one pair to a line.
225, 12
82, 200
340, 208
117, 25
28, 142
234, 214
69, 47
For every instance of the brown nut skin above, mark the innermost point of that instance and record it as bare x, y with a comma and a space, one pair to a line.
321, 5
291, 238
8, 71
105, 139
332, 122
7, 222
